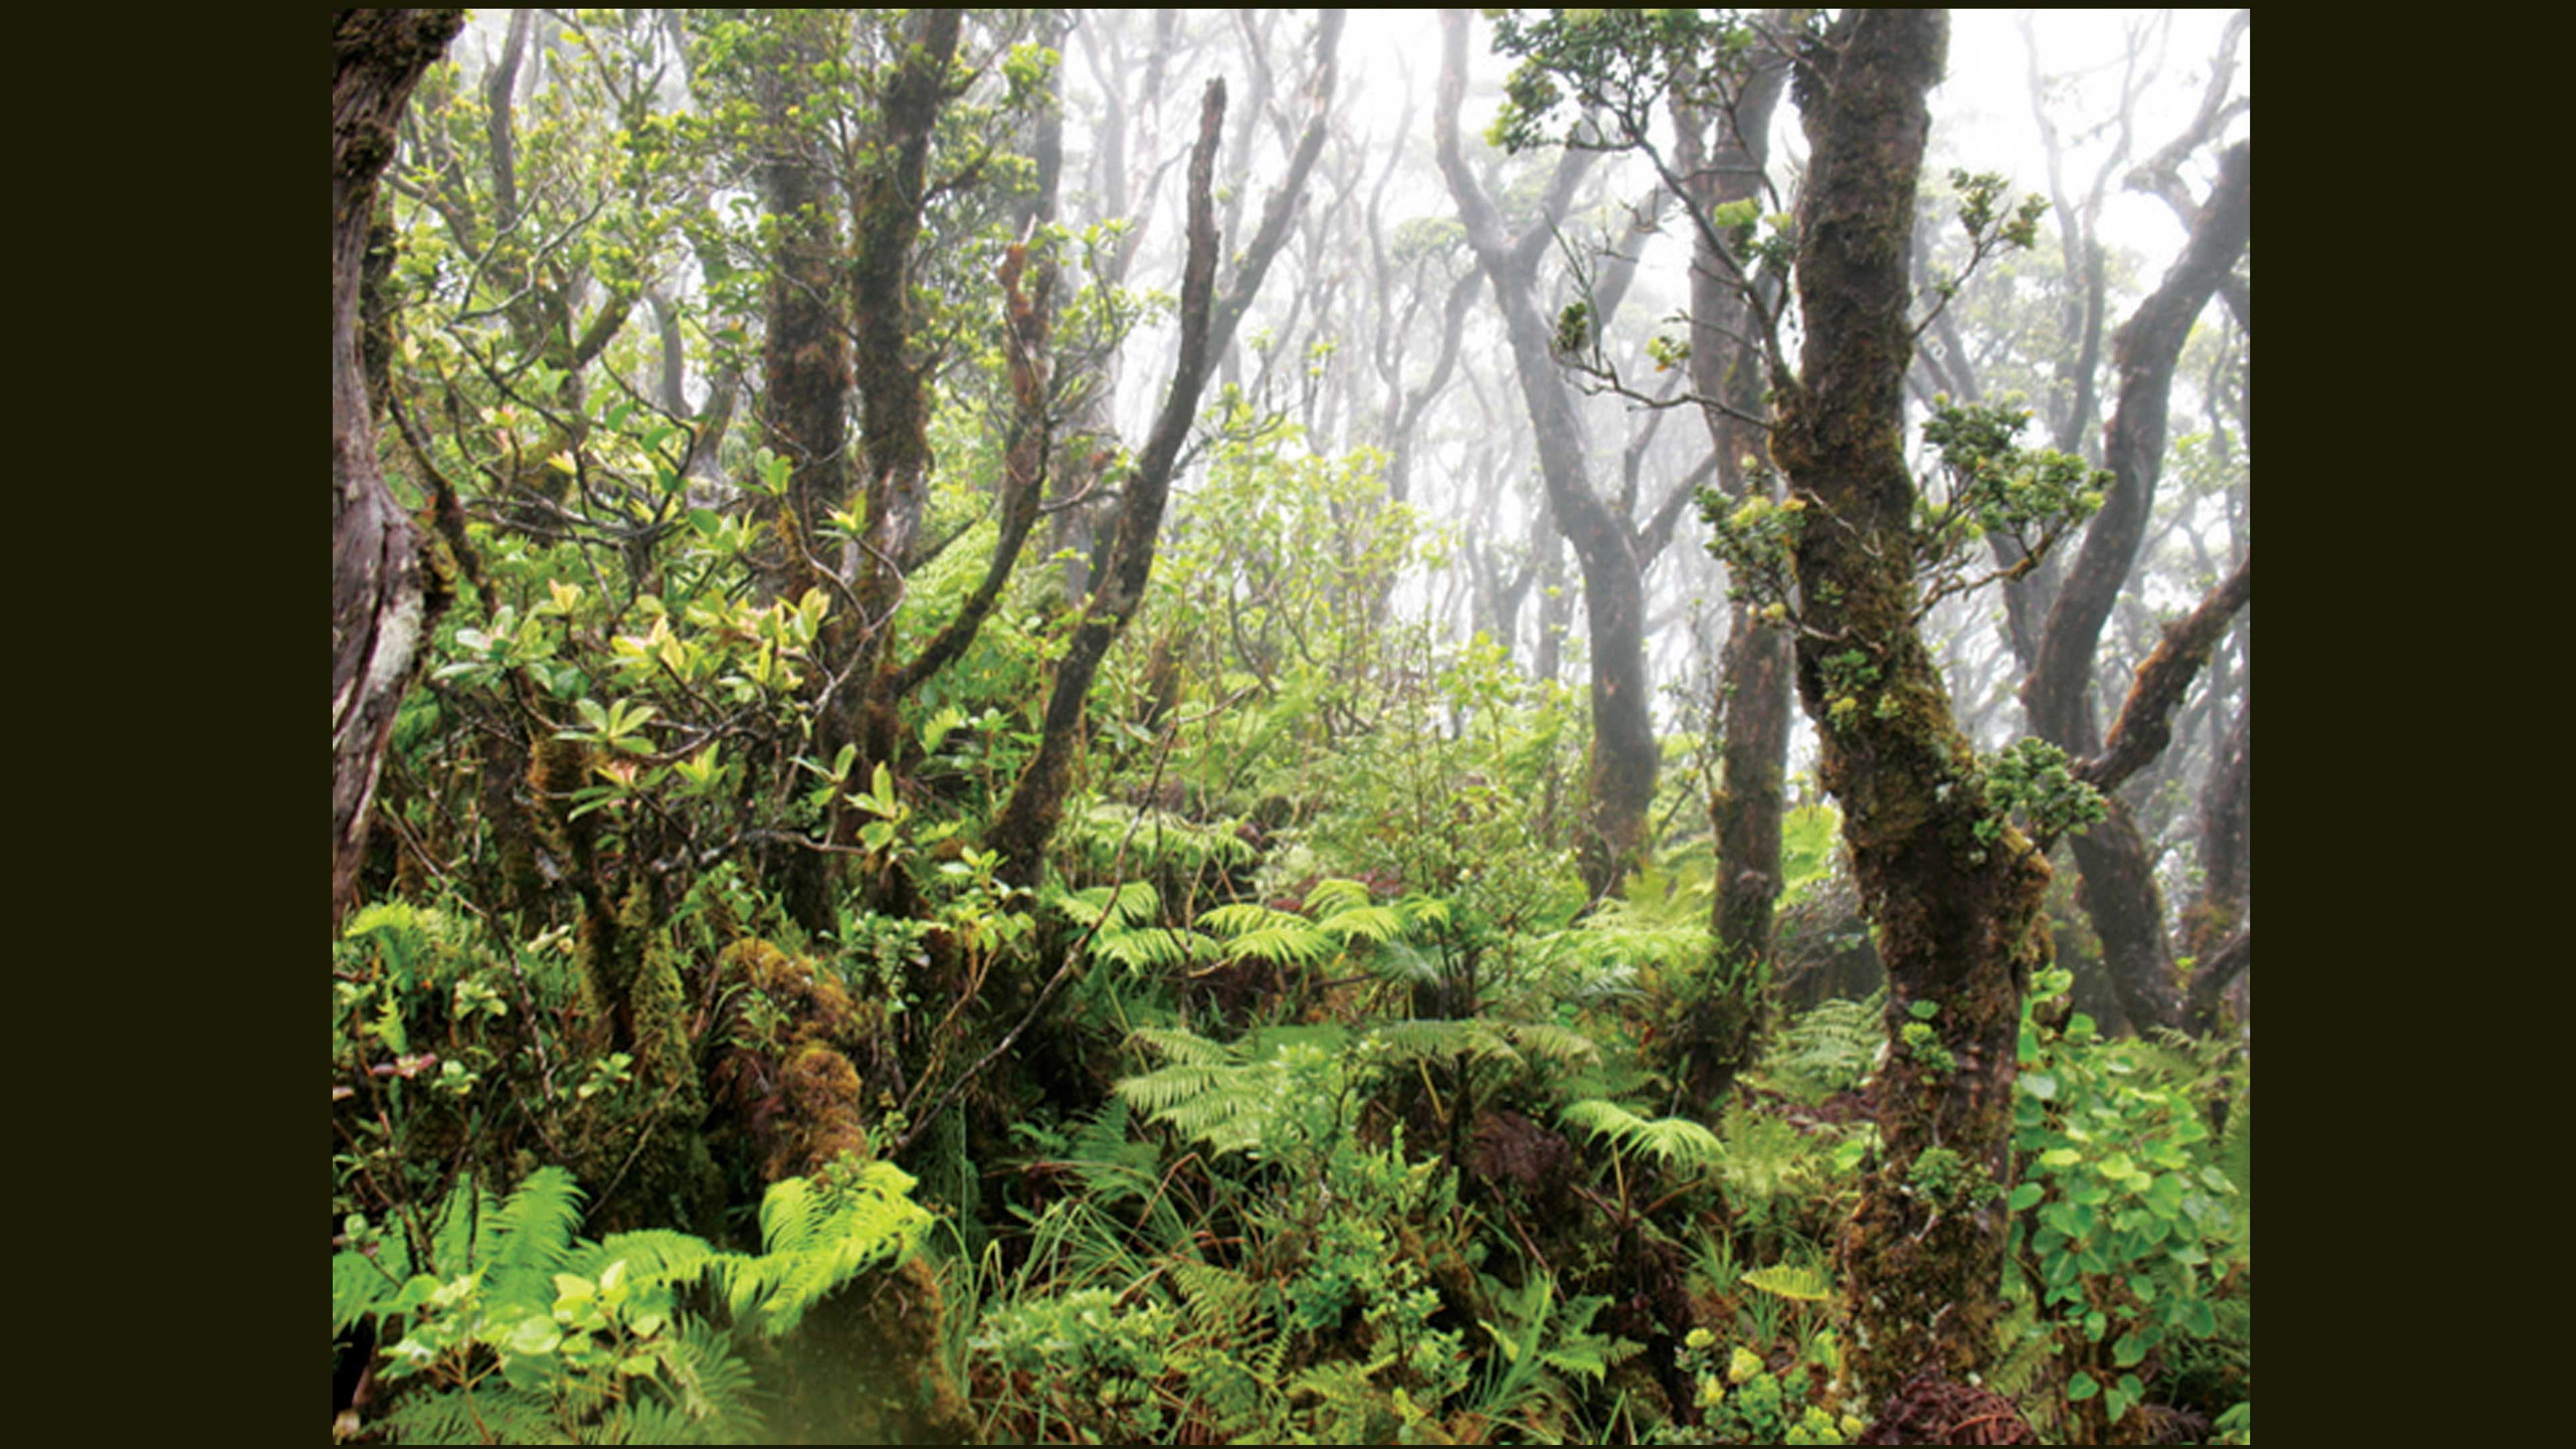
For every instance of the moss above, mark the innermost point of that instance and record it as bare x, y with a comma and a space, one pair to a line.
812, 1108
869, 1366
824, 1120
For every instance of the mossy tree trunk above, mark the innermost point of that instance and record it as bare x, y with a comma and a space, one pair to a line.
1957, 910
382, 605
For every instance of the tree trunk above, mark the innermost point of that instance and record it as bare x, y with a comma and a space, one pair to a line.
1957, 910
382, 605
1751, 716
1619, 782
1028, 820
2119, 889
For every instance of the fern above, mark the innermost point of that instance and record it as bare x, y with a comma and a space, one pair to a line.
1375, 924
819, 1235
502, 1281
1798, 1283
1474, 1038
1185, 1048
1673, 1141
1258, 931
525, 1240
462, 1416
1830, 1048
1336, 895
1129, 903
1558, 1046
1405, 964
1153, 948
654, 1257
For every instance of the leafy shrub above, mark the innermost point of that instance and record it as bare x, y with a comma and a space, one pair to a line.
2126, 1225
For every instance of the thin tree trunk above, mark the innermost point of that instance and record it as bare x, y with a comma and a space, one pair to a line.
1751, 713
2119, 889
1028, 820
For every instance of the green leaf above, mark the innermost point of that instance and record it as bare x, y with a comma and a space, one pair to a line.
2025, 1197
2080, 1388
531, 1337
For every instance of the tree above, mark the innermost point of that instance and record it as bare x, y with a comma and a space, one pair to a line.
1207, 324
1954, 891
383, 604
1619, 780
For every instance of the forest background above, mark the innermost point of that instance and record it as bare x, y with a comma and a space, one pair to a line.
1719, 1012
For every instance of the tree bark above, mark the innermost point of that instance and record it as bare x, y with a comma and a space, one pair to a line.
1957, 910
382, 603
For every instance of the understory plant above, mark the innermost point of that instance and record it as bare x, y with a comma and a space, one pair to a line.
2131, 1230
503, 1325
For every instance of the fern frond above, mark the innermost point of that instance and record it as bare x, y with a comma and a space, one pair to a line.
1429, 911
1674, 1141
1256, 930
462, 1232
1476, 1039
654, 1257
1367, 923
1216, 1301
530, 1235
1184, 1048
1797, 1282
1153, 948
465, 1416
1830, 1048
820, 1235
1335, 895
1300, 944
1556, 1045
1158, 1091
1129, 903
711, 1387
1404, 964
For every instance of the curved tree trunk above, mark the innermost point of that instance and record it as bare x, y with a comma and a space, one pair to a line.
382, 606
2119, 889
1619, 783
